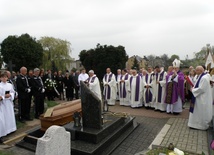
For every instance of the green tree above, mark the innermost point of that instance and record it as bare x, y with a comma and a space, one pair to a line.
166, 62
22, 51
151, 60
56, 53
135, 64
173, 57
103, 57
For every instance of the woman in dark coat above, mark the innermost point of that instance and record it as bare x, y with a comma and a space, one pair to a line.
69, 87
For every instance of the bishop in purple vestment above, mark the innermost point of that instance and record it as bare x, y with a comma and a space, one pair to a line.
176, 80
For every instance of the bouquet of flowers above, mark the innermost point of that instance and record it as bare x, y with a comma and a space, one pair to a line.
50, 84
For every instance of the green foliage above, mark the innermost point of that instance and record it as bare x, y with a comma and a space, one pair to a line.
56, 53
51, 103
103, 57
22, 51
19, 124
173, 57
135, 64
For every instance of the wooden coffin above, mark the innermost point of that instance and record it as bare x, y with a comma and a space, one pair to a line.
60, 114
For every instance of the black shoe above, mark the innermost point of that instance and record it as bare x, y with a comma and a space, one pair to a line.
176, 113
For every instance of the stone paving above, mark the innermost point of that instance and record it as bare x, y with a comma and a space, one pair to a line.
185, 138
151, 123
142, 137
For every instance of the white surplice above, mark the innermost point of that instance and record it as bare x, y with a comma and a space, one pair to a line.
124, 100
160, 105
132, 90
94, 86
202, 114
2, 119
111, 82
150, 83
212, 89
8, 107
117, 83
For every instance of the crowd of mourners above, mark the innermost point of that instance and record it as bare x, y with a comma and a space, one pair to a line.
152, 88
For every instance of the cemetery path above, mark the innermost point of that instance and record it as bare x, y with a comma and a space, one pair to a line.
151, 123
142, 136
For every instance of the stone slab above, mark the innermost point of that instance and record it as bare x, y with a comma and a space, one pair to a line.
95, 135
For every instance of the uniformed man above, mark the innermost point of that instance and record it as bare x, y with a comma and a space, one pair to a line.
38, 92
23, 89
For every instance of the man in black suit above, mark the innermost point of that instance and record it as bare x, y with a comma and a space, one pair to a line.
38, 92
23, 89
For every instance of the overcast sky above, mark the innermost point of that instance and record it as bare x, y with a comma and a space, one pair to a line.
143, 27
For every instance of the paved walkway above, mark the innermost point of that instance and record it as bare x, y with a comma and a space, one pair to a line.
155, 128
174, 131
185, 138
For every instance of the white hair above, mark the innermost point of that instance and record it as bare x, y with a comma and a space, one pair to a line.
91, 71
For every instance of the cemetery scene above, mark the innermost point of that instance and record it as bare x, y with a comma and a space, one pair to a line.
107, 78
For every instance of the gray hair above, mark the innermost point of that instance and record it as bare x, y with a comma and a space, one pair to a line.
91, 71
36, 69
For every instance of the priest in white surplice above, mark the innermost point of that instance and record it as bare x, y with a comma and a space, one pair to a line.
201, 105
7, 104
148, 91
123, 88
135, 89
118, 76
212, 86
2, 119
160, 89
94, 84
109, 84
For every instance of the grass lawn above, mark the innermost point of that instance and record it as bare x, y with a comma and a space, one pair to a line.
51, 103
6, 152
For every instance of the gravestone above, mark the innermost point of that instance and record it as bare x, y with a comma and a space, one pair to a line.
56, 141
91, 108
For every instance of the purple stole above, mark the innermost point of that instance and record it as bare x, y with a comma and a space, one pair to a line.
92, 80
159, 86
192, 104
123, 95
137, 87
141, 75
109, 88
148, 93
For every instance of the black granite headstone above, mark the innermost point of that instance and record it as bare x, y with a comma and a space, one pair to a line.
91, 108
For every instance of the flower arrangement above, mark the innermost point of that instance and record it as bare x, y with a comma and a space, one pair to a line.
50, 84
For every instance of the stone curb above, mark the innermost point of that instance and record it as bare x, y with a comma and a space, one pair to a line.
159, 138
